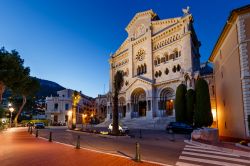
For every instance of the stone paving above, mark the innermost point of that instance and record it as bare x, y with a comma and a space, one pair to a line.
18, 147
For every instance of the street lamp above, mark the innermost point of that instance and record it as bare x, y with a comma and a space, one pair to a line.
83, 120
11, 109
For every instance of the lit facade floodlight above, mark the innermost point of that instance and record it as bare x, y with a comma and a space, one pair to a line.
214, 114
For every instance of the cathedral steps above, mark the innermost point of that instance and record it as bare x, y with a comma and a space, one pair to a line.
158, 123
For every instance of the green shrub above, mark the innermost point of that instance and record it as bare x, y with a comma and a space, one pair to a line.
190, 103
202, 115
180, 103
25, 122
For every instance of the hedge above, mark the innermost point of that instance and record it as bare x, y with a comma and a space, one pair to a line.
46, 122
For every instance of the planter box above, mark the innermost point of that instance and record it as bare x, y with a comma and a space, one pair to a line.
206, 134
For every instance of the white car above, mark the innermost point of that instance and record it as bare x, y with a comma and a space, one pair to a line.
122, 129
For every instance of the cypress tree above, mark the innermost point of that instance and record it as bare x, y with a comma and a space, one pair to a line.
180, 103
203, 115
190, 104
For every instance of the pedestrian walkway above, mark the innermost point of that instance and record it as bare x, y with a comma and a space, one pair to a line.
194, 155
18, 147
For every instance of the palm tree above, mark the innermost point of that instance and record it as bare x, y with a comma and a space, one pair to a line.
76, 97
118, 82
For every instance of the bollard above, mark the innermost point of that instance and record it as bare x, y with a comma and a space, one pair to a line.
78, 142
50, 136
36, 132
140, 134
30, 130
173, 137
137, 152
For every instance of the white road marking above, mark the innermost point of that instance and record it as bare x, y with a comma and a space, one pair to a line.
186, 164
200, 147
208, 161
213, 152
217, 157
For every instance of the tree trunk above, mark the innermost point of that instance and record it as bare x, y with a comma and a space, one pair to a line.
2, 88
73, 117
20, 110
115, 130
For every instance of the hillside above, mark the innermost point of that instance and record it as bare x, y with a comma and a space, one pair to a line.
48, 88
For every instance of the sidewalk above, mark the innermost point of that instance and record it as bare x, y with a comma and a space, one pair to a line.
18, 147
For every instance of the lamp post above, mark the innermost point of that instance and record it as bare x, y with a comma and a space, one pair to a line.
83, 120
11, 109
69, 119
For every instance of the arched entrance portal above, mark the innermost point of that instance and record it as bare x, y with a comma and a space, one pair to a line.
167, 101
139, 103
122, 107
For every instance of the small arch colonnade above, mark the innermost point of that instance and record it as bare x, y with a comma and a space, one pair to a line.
141, 104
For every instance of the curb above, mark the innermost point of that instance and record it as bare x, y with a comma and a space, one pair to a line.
242, 146
100, 135
227, 150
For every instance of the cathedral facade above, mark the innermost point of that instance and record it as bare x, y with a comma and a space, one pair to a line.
157, 56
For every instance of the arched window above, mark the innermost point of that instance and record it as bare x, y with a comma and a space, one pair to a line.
142, 69
178, 67
158, 60
138, 71
179, 53
156, 74
174, 69
160, 73
166, 57
175, 54
166, 71
163, 59
145, 68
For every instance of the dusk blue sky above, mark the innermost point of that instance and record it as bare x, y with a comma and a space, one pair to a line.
69, 41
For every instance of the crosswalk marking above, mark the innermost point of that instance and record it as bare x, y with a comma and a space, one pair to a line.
222, 163
199, 147
186, 164
217, 157
212, 152
196, 155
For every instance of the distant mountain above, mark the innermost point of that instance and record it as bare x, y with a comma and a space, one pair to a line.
48, 88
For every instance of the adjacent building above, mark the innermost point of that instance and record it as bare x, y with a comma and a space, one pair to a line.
231, 58
58, 108
101, 107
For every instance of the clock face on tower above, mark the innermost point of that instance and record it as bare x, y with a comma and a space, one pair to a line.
140, 55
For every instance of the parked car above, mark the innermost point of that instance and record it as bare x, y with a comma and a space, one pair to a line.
122, 128
39, 125
178, 127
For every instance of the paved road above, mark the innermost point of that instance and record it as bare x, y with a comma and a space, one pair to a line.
18, 148
155, 146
